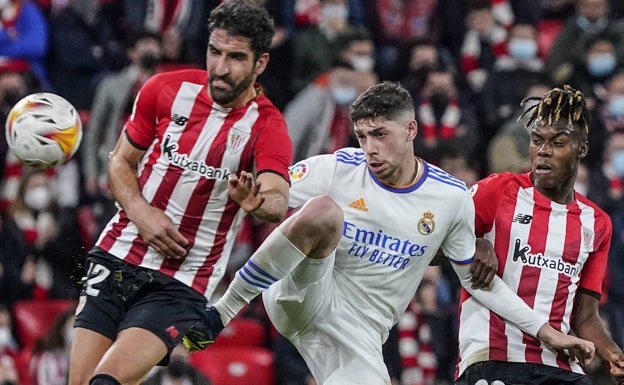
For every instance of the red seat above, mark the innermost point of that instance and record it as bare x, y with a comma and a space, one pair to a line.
33, 318
242, 332
236, 365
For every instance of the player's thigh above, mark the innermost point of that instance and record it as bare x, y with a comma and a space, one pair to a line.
132, 355
302, 296
87, 349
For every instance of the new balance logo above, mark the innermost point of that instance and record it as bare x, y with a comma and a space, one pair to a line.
359, 204
523, 219
179, 119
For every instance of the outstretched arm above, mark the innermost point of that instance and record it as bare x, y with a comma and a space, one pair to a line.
265, 198
504, 302
586, 323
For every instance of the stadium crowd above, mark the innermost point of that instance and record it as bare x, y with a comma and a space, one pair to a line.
466, 63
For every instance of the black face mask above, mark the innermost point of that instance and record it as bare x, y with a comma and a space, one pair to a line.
11, 97
149, 60
439, 100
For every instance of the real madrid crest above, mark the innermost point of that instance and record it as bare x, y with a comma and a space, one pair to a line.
426, 224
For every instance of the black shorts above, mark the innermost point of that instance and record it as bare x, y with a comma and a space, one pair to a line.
518, 373
117, 295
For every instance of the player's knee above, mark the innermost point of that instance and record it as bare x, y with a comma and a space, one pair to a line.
323, 213
103, 379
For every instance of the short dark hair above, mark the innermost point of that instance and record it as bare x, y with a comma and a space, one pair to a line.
244, 18
558, 104
386, 100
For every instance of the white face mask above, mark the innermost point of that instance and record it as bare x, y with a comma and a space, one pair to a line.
5, 337
363, 63
343, 95
37, 198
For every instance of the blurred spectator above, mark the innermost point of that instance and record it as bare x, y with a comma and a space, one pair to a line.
456, 163
510, 78
277, 77
112, 105
179, 371
9, 356
509, 148
180, 23
483, 43
594, 69
591, 17
426, 334
24, 36
356, 47
17, 267
606, 188
318, 117
49, 363
421, 56
607, 117
394, 24
51, 231
85, 48
314, 46
445, 118
15, 83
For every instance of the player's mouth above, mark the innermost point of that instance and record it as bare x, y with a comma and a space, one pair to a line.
542, 169
220, 83
375, 167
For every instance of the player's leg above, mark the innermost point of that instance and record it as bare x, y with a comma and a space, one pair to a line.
132, 356
313, 232
87, 350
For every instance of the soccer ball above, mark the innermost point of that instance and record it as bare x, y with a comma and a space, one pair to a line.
43, 130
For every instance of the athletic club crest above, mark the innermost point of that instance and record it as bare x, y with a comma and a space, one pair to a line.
588, 238
426, 224
237, 140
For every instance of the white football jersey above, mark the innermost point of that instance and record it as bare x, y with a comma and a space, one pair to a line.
390, 233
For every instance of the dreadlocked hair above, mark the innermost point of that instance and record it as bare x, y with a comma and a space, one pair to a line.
567, 103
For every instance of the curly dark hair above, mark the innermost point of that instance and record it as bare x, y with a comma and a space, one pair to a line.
388, 100
246, 18
557, 104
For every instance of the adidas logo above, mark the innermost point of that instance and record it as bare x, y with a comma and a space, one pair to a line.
359, 204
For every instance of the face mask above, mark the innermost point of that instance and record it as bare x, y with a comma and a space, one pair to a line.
343, 95
616, 106
149, 60
588, 26
5, 337
601, 64
37, 198
523, 49
11, 97
439, 99
362, 63
617, 161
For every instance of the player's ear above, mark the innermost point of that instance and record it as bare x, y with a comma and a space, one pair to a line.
412, 129
583, 149
261, 63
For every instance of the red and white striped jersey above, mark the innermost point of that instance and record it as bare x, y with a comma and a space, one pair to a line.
192, 146
546, 251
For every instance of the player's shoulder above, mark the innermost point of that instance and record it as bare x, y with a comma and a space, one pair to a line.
598, 211
191, 75
436, 174
349, 157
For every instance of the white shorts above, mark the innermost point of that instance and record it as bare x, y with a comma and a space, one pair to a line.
339, 346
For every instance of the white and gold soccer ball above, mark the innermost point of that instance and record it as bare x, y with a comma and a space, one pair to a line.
43, 130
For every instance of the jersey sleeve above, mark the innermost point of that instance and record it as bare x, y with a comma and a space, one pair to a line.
311, 177
459, 244
485, 194
595, 267
141, 127
274, 149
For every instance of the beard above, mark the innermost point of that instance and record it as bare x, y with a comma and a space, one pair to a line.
226, 96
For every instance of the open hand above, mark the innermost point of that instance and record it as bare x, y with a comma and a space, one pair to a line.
245, 191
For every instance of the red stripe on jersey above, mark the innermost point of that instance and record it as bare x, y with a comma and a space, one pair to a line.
202, 278
529, 279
